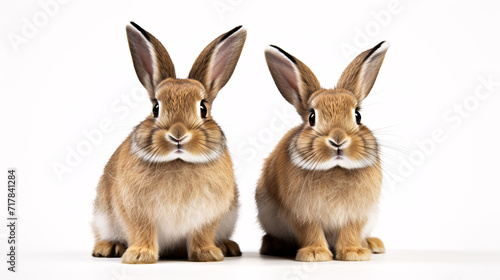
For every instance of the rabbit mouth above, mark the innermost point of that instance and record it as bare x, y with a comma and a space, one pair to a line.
338, 154
334, 159
174, 151
179, 149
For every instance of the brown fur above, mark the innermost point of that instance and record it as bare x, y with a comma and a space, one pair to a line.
314, 207
202, 244
151, 202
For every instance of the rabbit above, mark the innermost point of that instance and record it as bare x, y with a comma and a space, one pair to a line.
319, 188
169, 188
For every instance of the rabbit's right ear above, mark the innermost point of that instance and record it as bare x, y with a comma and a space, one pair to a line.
361, 73
294, 79
151, 60
215, 64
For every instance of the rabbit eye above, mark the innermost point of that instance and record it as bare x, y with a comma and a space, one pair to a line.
358, 116
203, 109
312, 118
156, 109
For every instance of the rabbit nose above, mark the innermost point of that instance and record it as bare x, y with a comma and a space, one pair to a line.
338, 144
333, 143
337, 138
177, 133
176, 139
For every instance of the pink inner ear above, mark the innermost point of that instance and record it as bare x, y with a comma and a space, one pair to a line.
142, 50
219, 64
287, 71
222, 59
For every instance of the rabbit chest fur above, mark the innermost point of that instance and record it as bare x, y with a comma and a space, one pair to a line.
331, 197
177, 199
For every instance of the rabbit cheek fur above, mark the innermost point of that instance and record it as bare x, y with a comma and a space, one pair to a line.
319, 188
169, 188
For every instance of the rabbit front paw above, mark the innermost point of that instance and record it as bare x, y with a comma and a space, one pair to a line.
353, 254
314, 254
138, 255
206, 254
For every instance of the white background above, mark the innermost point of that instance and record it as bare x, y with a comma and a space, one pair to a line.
73, 72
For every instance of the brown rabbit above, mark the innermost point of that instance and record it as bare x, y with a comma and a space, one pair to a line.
320, 186
169, 188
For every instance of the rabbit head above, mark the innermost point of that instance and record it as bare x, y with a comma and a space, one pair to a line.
332, 133
180, 125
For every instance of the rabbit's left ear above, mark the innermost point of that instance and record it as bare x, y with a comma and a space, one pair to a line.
362, 72
152, 62
215, 64
295, 81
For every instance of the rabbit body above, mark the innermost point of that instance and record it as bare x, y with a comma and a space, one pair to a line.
169, 189
319, 188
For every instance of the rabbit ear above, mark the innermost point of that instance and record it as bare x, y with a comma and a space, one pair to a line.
294, 79
362, 72
151, 60
215, 64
